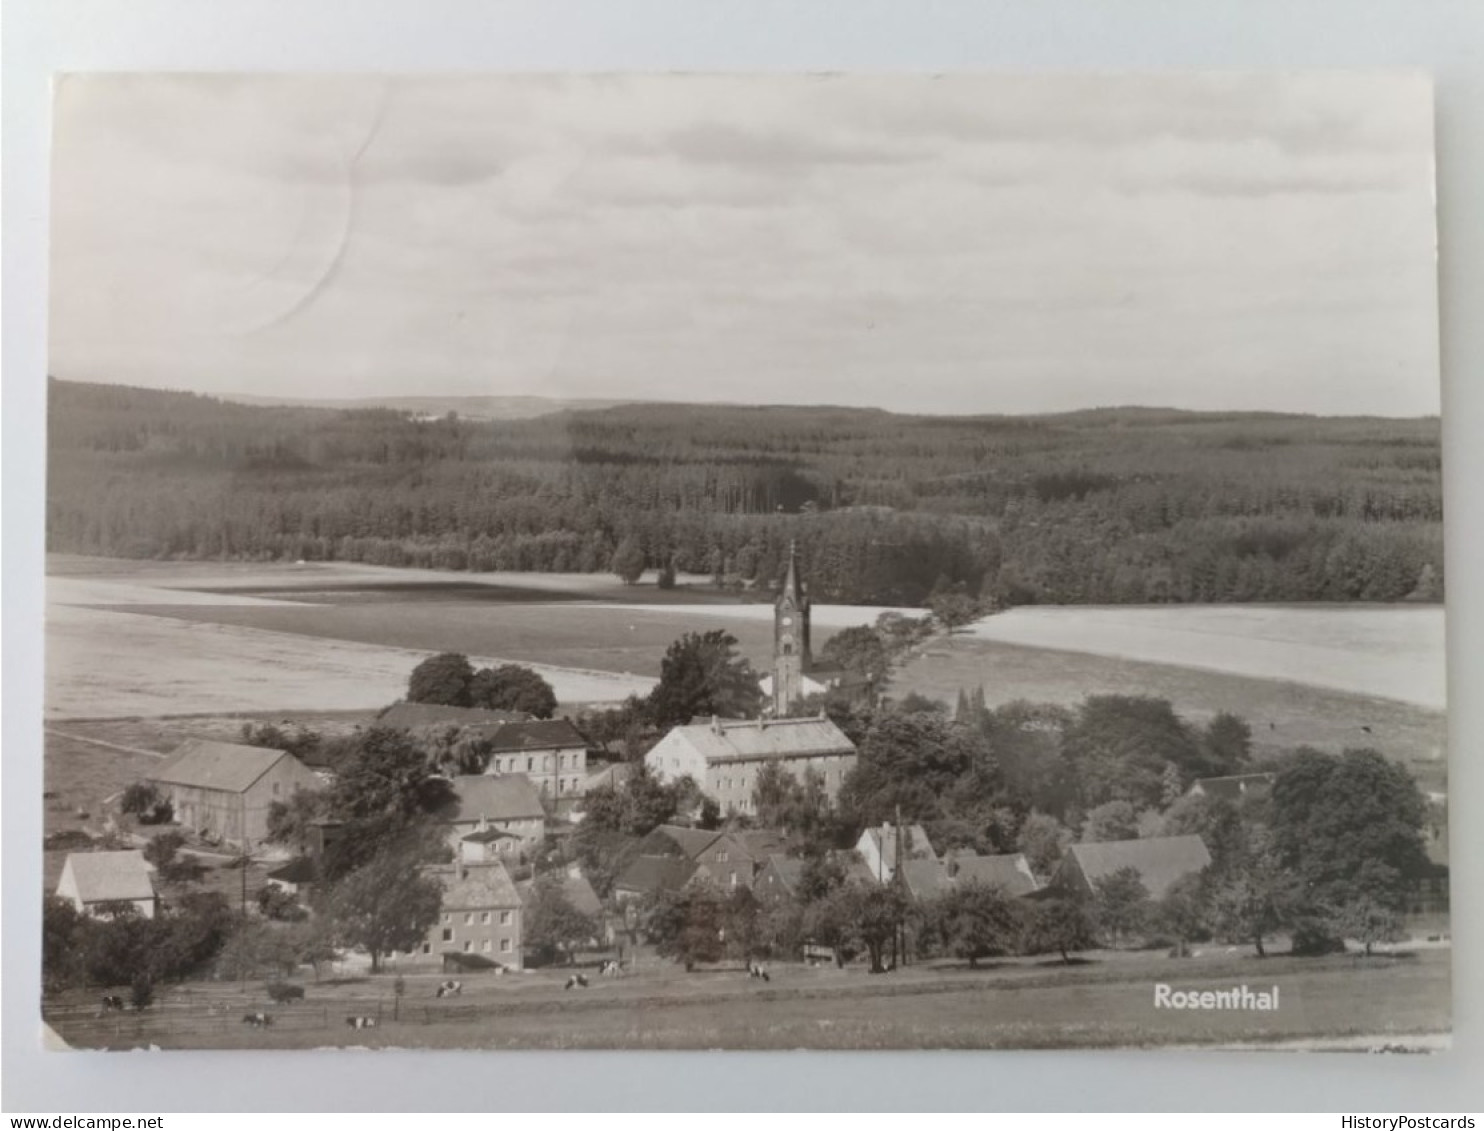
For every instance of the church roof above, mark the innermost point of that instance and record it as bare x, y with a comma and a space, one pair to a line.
755, 739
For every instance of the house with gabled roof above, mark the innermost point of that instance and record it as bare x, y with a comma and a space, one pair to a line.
223, 790
552, 753
649, 875
480, 917
94, 882
724, 757
504, 812
1010, 872
1159, 861
878, 848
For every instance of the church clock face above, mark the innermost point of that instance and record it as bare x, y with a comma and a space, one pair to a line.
788, 622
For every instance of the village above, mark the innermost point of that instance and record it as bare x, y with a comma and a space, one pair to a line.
758, 827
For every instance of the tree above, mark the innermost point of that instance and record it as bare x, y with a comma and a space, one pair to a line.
1043, 839
1113, 820
146, 803
859, 651
1251, 894
952, 606
554, 929
386, 904
1058, 926
1122, 903
1119, 746
975, 921
62, 944
874, 914
1181, 911
443, 679
686, 925
1349, 830
290, 822
383, 788
163, 852
628, 560
511, 687
666, 579
702, 674
1228, 742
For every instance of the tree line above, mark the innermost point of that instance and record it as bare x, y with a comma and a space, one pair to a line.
1110, 506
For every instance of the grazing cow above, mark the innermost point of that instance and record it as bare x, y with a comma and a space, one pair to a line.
361, 1022
576, 980
257, 1020
112, 1002
758, 970
610, 968
449, 989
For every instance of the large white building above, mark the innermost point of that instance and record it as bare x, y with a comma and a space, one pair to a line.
724, 757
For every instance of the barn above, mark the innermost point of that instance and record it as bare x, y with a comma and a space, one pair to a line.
1160, 861
222, 790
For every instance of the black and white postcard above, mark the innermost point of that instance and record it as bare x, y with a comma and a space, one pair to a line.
745, 561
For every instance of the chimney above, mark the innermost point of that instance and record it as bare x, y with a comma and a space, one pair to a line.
715, 725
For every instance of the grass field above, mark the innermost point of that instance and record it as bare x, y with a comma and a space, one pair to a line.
1107, 1002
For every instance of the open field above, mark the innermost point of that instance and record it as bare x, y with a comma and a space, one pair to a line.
1393, 652
1107, 1002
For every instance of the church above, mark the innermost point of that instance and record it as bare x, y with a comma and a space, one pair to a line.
724, 756
794, 677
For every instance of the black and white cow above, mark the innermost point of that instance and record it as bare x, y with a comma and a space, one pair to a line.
758, 970
610, 968
576, 980
257, 1020
449, 989
112, 1002
360, 1022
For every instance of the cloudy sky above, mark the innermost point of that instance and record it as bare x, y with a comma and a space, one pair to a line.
993, 243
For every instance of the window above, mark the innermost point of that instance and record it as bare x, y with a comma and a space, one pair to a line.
484, 918
485, 946
468, 945
734, 879
448, 934
504, 946
721, 857
468, 918
447, 918
530, 763
546, 762
275, 789
504, 918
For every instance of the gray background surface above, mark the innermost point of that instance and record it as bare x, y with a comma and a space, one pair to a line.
46, 36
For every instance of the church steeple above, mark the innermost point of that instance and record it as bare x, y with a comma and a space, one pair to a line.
791, 657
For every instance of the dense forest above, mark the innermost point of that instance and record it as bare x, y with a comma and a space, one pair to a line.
1101, 506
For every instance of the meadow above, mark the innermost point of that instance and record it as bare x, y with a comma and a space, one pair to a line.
1103, 1001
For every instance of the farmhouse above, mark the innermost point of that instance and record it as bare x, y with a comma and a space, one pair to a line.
504, 811
779, 877
1234, 787
480, 915
648, 875
724, 758
878, 848
92, 880
552, 753
1011, 873
1160, 861
223, 790
578, 892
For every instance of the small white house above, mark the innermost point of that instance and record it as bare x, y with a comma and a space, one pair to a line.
91, 880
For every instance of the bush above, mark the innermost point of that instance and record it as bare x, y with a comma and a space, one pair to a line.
281, 992
141, 992
146, 804
1314, 940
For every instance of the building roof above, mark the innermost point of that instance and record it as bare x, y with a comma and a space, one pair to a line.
690, 842
915, 843
299, 870
1234, 786
1011, 873
495, 797
421, 716
1160, 861
579, 893
475, 886
722, 741
648, 874
488, 834
925, 877
612, 776
542, 734
760, 843
788, 869
227, 766
101, 877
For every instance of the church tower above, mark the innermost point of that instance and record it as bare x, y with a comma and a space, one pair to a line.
791, 657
